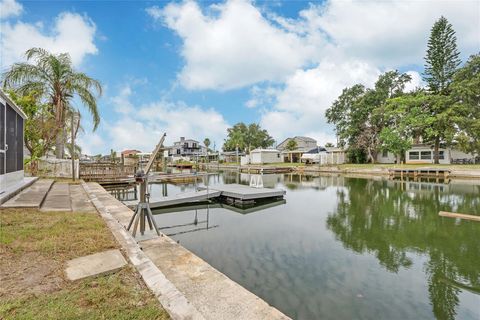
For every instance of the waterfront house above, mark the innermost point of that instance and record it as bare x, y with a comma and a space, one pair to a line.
187, 148
423, 153
12, 120
130, 153
262, 156
303, 144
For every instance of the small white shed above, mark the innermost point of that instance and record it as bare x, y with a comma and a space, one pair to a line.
261, 156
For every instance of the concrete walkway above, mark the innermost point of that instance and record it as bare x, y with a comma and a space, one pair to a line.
58, 198
47, 195
80, 200
31, 197
16, 188
187, 286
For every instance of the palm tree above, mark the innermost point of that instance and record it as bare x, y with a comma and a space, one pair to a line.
206, 142
52, 77
291, 145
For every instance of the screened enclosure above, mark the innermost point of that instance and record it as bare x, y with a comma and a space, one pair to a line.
11, 142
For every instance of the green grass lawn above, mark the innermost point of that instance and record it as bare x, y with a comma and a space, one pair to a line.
34, 247
378, 165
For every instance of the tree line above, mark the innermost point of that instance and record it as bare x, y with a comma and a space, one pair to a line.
385, 118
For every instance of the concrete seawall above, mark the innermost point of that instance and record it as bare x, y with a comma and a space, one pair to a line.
186, 286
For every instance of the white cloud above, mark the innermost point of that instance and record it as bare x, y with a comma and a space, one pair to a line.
72, 33
231, 47
142, 126
121, 101
393, 33
235, 44
91, 143
415, 83
300, 107
10, 8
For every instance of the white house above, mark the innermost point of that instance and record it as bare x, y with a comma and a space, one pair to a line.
262, 156
11, 143
424, 154
187, 149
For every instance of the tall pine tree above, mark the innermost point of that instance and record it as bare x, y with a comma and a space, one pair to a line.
442, 59
441, 62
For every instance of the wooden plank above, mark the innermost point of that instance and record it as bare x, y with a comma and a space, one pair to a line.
459, 215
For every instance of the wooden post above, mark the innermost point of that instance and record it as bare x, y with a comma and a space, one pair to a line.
72, 155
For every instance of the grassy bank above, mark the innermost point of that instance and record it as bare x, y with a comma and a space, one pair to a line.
369, 166
34, 247
389, 166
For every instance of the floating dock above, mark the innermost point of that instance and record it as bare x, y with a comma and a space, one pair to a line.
265, 169
420, 172
236, 193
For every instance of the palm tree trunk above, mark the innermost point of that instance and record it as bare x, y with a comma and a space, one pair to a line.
60, 144
60, 121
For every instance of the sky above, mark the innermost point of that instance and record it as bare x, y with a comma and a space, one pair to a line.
194, 68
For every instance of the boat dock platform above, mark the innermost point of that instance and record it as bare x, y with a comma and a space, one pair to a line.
420, 172
233, 193
265, 169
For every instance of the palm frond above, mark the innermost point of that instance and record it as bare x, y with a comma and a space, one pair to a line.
89, 101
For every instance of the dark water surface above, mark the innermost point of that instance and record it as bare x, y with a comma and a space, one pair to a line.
343, 248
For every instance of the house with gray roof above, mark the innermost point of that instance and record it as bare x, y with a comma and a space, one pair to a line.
303, 144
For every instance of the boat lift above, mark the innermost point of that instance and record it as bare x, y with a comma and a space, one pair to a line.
143, 213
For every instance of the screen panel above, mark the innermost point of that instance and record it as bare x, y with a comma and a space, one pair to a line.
19, 142
11, 125
2, 126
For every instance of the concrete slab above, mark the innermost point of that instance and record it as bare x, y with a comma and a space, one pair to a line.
15, 189
181, 198
212, 293
58, 198
79, 199
31, 197
243, 192
171, 299
95, 264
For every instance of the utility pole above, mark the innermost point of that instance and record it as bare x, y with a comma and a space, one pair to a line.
72, 155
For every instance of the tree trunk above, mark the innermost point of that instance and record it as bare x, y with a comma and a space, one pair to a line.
435, 151
60, 144
399, 158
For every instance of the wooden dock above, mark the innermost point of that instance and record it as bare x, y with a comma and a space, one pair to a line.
420, 172
231, 192
265, 169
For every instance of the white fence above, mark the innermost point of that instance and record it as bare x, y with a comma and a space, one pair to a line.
59, 168
332, 158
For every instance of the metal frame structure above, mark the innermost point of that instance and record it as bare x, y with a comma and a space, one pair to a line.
143, 213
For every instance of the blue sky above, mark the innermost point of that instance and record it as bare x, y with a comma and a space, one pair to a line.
194, 68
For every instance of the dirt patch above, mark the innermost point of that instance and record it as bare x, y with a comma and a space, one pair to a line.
29, 274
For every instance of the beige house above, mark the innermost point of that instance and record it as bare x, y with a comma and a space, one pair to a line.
304, 144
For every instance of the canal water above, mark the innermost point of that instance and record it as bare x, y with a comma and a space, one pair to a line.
342, 248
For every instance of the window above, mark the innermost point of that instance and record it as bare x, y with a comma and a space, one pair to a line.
441, 155
426, 155
278, 155
413, 155
385, 154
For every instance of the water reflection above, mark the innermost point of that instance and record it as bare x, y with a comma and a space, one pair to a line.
343, 247
392, 218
